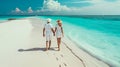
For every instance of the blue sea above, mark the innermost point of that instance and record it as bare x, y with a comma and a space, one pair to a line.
98, 35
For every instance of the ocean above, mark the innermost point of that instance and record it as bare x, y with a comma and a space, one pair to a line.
98, 35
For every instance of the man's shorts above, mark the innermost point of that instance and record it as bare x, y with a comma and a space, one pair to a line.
48, 37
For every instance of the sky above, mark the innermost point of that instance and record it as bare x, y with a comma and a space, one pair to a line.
60, 7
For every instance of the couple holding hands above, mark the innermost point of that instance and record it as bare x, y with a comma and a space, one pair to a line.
48, 30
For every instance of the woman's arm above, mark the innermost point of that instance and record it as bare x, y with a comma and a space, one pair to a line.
62, 31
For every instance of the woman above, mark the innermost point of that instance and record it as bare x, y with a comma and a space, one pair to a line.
59, 32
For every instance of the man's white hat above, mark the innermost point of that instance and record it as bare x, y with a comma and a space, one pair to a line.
48, 20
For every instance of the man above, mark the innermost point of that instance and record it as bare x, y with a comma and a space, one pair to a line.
47, 32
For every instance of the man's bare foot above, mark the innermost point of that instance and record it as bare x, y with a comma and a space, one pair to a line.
46, 49
49, 48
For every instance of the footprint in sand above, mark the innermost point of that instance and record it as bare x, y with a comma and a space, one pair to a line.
61, 55
56, 58
65, 64
59, 65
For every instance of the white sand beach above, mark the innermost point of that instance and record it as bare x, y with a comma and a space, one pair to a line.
22, 45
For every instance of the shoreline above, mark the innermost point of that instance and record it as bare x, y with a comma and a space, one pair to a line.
74, 53
90, 53
86, 52
64, 58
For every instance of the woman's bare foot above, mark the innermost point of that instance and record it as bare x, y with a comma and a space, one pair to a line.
58, 49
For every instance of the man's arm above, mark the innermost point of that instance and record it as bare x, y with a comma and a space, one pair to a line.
53, 31
43, 32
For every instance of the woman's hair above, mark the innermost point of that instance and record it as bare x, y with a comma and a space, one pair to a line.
59, 21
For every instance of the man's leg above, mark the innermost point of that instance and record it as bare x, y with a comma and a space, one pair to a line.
50, 38
47, 39
49, 44
46, 46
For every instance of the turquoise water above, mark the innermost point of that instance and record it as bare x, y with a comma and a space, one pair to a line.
100, 37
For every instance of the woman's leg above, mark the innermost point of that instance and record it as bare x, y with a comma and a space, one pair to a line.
59, 42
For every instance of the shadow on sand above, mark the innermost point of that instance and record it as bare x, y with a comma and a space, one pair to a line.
35, 49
